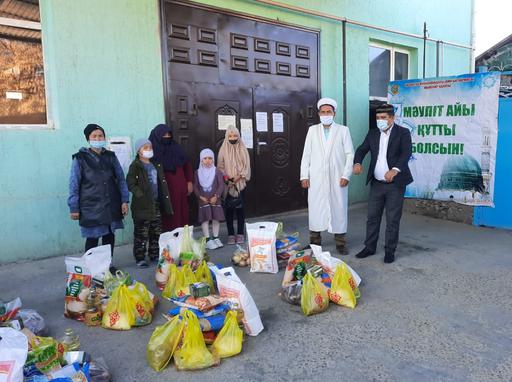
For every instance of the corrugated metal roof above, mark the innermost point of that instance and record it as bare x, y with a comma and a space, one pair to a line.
21, 9
27, 10
19, 33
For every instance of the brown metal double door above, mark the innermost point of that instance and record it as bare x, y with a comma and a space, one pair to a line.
276, 152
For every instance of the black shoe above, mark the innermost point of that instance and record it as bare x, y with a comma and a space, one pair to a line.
365, 253
389, 257
142, 264
112, 269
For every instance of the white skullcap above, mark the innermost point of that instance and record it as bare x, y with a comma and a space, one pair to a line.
327, 101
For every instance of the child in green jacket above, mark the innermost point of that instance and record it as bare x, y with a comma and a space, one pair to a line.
146, 181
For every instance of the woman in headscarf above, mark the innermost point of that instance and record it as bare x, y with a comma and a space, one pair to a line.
98, 194
234, 162
178, 174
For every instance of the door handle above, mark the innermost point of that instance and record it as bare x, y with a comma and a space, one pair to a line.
194, 109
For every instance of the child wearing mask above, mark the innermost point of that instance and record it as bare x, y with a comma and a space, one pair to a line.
146, 181
208, 188
235, 164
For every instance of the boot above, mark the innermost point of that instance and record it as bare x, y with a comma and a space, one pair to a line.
339, 239
315, 238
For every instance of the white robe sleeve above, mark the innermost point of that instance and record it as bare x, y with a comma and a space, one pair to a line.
348, 148
306, 157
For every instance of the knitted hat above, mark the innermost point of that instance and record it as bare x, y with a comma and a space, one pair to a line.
90, 128
141, 142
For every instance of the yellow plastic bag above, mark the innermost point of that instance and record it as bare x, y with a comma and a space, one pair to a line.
168, 292
193, 353
314, 298
163, 343
204, 275
341, 292
119, 312
142, 304
184, 277
229, 340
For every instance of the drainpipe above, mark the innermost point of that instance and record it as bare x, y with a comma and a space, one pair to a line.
424, 47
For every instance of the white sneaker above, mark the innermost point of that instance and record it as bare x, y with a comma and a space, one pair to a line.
218, 243
210, 244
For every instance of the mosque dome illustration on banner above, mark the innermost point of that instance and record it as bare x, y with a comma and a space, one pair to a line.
462, 173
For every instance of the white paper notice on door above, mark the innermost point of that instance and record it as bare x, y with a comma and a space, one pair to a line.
121, 146
246, 127
223, 121
277, 122
261, 121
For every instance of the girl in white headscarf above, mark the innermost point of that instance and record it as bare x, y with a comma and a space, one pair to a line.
208, 188
235, 164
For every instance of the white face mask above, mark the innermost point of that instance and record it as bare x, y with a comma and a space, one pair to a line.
382, 124
326, 119
148, 154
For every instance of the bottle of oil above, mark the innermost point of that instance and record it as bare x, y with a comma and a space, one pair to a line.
70, 340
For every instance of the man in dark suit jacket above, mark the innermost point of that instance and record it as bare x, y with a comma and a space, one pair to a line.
390, 147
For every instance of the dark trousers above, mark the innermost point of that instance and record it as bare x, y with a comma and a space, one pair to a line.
389, 196
240, 220
109, 238
145, 236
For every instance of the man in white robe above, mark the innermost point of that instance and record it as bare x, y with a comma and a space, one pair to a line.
325, 171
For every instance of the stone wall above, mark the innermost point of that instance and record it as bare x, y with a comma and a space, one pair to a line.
452, 211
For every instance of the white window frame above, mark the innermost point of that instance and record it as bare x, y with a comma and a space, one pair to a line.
392, 50
49, 125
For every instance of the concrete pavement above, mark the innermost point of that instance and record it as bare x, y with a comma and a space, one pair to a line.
441, 312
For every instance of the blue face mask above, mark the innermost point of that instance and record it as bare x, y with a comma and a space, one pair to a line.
382, 124
98, 144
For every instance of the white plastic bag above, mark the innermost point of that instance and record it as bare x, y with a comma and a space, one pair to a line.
170, 244
13, 355
230, 286
80, 270
330, 263
262, 246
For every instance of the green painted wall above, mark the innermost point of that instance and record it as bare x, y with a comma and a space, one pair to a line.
103, 65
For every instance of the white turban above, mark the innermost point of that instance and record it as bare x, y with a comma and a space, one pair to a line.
327, 101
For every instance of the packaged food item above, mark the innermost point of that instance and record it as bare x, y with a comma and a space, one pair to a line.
262, 246
341, 291
314, 298
229, 340
191, 250
13, 354
241, 257
141, 303
80, 271
162, 273
119, 311
291, 292
70, 340
329, 263
221, 308
46, 354
169, 290
231, 287
99, 371
163, 343
204, 275
199, 289
209, 337
33, 321
203, 304
184, 277
193, 353
212, 323
290, 275
9, 310
170, 244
